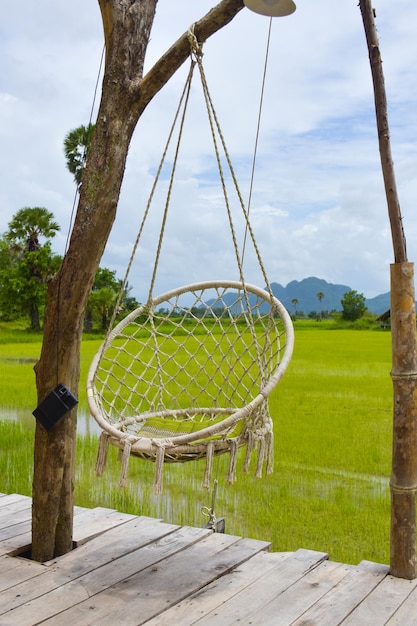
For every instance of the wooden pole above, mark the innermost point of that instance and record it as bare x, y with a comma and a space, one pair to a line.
403, 483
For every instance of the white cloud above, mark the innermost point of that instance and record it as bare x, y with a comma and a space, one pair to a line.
318, 205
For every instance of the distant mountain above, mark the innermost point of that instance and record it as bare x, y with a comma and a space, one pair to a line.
379, 304
306, 290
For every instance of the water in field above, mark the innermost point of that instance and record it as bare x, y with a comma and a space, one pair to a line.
86, 425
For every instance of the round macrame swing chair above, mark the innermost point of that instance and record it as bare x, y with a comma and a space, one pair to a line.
187, 375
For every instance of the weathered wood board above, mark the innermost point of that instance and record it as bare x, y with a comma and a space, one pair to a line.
139, 570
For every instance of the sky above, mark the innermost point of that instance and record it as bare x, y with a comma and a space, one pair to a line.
318, 205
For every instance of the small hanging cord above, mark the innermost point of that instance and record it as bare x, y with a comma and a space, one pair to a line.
84, 156
255, 151
70, 225
252, 178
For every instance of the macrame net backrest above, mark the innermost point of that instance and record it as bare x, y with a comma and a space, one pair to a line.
189, 374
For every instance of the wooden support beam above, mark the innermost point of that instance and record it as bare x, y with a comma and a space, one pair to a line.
403, 326
404, 445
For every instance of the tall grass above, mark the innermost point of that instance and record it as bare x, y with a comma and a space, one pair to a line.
332, 416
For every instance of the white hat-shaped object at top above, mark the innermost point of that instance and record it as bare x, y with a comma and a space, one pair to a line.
271, 8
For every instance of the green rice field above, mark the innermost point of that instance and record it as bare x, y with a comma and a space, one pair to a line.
332, 421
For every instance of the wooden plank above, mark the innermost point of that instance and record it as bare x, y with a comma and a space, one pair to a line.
99, 551
14, 515
15, 521
406, 614
15, 529
296, 599
96, 521
11, 497
13, 502
342, 599
112, 545
117, 570
148, 593
264, 589
87, 524
210, 598
380, 605
13, 571
16, 543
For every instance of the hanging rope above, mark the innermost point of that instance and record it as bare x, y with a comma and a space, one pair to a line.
215, 126
217, 131
258, 127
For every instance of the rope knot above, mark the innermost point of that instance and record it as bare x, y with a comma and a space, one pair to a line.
196, 47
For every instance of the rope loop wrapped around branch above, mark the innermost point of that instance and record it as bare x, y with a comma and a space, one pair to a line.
196, 47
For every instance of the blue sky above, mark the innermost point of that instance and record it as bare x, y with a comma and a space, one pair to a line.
318, 206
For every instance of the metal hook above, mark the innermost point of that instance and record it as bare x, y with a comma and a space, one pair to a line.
216, 525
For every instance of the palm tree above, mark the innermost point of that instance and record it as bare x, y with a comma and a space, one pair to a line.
76, 145
102, 302
320, 297
28, 225
34, 263
294, 302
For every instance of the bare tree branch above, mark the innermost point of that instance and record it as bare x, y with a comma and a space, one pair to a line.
172, 60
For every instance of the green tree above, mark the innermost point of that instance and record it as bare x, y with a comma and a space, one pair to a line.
76, 145
103, 297
28, 225
106, 278
294, 302
102, 302
320, 297
128, 302
353, 305
9, 306
26, 265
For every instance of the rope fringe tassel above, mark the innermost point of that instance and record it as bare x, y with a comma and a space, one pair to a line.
234, 445
103, 448
269, 452
249, 449
159, 470
125, 463
261, 457
209, 466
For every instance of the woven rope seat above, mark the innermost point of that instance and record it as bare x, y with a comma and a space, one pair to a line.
188, 375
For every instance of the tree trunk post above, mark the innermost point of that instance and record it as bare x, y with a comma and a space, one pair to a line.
403, 484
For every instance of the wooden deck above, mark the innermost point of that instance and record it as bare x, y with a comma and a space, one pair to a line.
139, 570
